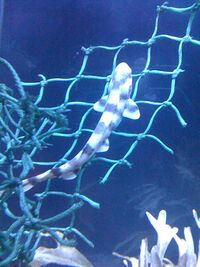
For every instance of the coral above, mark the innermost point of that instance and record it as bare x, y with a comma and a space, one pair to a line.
165, 234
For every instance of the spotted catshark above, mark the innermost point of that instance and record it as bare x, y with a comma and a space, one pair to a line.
115, 105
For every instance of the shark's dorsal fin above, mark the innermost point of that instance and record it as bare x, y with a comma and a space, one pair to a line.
100, 105
131, 111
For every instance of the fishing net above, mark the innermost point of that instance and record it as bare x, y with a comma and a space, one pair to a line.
31, 123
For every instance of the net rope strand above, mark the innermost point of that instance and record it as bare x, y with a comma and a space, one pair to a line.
26, 126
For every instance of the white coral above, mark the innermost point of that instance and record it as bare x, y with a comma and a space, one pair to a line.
165, 234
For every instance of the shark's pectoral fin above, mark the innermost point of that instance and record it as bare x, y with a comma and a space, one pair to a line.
69, 175
100, 105
131, 111
104, 147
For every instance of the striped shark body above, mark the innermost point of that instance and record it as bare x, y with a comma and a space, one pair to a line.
115, 105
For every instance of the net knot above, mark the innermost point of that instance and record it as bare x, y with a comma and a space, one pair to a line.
79, 76
124, 42
108, 78
187, 38
140, 136
43, 82
87, 51
124, 162
151, 41
162, 7
77, 134
175, 74
167, 104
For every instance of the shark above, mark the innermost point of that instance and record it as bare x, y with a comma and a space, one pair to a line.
114, 106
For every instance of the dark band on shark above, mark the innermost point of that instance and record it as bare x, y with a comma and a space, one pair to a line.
117, 83
88, 150
32, 181
100, 127
56, 172
111, 107
124, 96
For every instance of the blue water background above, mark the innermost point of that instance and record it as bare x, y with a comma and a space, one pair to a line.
46, 37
